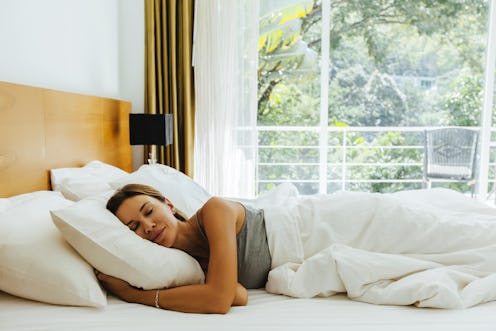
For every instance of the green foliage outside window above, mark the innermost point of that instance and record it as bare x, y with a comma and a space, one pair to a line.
399, 64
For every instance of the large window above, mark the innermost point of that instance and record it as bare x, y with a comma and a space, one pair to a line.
346, 88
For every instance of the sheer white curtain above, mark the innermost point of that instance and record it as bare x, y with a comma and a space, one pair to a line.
225, 58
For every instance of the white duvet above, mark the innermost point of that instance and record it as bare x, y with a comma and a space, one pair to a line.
430, 248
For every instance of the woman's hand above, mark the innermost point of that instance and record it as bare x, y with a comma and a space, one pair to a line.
117, 286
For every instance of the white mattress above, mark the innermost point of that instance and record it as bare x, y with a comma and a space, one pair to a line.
265, 311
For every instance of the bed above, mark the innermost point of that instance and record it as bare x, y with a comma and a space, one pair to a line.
42, 130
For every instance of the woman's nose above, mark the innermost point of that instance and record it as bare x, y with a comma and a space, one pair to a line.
149, 226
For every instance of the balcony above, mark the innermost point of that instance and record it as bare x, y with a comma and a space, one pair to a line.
377, 159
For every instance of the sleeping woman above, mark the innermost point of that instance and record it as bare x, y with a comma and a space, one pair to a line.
226, 238
430, 248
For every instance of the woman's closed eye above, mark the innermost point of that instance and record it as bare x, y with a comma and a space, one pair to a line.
134, 226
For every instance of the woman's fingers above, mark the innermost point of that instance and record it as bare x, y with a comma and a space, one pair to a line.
106, 278
114, 285
101, 276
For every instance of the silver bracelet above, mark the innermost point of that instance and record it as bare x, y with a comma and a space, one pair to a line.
156, 299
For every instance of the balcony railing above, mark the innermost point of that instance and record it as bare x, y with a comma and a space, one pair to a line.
382, 159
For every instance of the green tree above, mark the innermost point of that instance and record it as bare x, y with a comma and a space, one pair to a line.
463, 103
290, 41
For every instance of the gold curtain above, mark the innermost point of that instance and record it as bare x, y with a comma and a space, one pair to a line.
169, 84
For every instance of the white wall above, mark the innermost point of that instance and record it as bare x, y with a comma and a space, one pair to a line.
91, 47
132, 60
132, 52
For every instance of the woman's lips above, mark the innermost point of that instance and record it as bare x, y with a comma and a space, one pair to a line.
157, 236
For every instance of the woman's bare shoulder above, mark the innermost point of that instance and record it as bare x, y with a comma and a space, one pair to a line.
218, 203
219, 207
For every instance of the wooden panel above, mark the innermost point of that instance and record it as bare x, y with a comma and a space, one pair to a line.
42, 129
115, 128
21, 143
73, 128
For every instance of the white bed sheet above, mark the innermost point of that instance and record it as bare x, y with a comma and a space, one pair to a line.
264, 312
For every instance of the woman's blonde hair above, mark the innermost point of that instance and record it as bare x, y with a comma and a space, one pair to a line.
129, 191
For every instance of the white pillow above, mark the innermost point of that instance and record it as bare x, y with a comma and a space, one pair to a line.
79, 183
186, 195
35, 261
6, 203
112, 248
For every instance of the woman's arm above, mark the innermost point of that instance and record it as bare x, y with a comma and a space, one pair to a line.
220, 290
147, 297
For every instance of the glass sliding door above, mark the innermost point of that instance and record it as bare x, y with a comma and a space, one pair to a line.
394, 68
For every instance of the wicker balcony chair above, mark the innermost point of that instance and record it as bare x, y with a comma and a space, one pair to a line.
450, 154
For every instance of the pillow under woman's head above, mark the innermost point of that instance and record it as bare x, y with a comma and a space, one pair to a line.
112, 248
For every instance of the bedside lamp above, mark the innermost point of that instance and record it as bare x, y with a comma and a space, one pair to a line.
150, 129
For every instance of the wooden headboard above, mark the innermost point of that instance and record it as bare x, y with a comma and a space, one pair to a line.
42, 129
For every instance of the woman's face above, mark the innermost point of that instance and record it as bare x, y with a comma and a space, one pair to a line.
149, 218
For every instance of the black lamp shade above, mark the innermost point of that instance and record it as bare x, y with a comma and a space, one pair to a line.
150, 129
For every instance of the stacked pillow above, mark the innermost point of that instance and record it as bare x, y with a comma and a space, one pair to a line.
36, 262
78, 183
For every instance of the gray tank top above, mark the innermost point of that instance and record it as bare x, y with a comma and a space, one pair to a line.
254, 259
